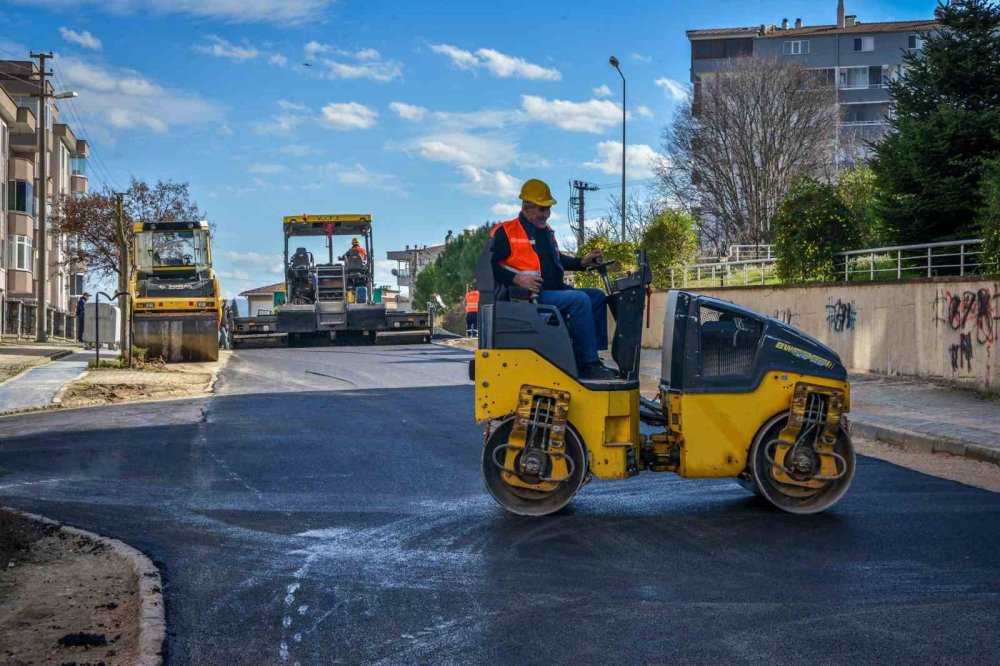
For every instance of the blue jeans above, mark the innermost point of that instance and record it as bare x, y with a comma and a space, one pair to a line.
586, 317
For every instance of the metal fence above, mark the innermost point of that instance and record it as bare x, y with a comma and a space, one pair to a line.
950, 258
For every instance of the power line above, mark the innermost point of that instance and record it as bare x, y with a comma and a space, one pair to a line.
79, 119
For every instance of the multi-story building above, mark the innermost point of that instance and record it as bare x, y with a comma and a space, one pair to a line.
24, 190
411, 261
859, 59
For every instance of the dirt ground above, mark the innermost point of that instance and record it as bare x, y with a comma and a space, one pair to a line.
174, 380
64, 599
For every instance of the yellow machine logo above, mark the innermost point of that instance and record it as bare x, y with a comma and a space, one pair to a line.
804, 355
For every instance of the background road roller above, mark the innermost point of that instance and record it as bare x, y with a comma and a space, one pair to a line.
741, 396
176, 303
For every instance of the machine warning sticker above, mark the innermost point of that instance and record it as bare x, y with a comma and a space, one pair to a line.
804, 355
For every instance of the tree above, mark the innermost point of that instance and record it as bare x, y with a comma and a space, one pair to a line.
454, 271
946, 123
622, 252
858, 188
732, 151
90, 221
989, 217
670, 240
639, 213
811, 226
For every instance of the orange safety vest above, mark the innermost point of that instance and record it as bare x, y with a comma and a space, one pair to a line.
361, 252
472, 301
523, 258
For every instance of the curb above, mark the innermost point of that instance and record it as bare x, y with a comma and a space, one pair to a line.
917, 443
152, 624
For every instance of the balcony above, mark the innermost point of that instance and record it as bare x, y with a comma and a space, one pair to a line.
63, 133
25, 122
78, 183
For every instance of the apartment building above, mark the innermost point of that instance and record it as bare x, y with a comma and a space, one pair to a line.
858, 58
24, 190
411, 261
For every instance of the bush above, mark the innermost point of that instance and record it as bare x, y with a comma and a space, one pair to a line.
622, 252
669, 240
453, 271
989, 217
811, 226
858, 189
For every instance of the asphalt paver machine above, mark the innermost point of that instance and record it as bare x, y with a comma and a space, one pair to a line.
335, 298
176, 303
741, 396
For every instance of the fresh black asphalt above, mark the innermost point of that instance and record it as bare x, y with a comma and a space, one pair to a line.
326, 507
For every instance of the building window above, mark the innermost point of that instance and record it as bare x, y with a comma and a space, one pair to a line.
4, 154
78, 164
826, 76
21, 196
913, 42
20, 257
853, 77
713, 49
864, 44
797, 47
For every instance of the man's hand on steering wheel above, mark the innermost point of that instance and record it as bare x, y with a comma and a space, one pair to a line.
595, 257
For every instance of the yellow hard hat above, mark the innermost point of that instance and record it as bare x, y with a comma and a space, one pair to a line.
537, 192
354, 241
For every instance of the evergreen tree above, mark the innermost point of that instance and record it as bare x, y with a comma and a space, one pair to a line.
811, 226
946, 123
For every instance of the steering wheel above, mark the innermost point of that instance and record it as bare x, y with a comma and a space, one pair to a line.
602, 267
187, 258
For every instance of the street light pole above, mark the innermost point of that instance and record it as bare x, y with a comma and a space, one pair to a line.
614, 63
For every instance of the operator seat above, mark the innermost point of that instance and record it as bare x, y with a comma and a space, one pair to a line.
506, 323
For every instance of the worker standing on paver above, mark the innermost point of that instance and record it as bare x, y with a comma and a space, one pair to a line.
81, 309
472, 312
355, 251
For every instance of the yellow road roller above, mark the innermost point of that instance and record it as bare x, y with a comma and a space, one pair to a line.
740, 396
176, 303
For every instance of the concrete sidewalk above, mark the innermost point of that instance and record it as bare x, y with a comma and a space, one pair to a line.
37, 386
912, 413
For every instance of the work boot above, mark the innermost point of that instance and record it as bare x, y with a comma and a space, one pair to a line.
597, 370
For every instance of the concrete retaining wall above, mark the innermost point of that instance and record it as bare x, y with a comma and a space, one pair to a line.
944, 328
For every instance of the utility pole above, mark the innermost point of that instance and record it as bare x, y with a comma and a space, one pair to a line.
578, 203
124, 299
42, 316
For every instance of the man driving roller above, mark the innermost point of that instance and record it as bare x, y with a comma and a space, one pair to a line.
526, 255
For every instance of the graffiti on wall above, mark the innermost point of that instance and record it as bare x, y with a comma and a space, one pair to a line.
785, 316
975, 316
841, 316
961, 353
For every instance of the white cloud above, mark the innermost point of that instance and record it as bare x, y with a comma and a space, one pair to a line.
368, 54
408, 111
124, 99
283, 124
292, 106
221, 48
594, 116
298, 150
226, 130
497, 63
675, 90
381, 71
360, 177
638, 159
237, 11
491, 183
465, 149
235, 274
271, 263
266, 169
639, 57
313, 48
643, 111
278, 60
84, 39
505, 210
348, 116
602, 91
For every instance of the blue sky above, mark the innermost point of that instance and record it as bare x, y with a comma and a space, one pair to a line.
426, 114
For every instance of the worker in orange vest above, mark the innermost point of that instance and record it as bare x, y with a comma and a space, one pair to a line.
472, 312
526, 255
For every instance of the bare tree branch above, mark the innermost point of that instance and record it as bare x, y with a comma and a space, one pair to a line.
732, 151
